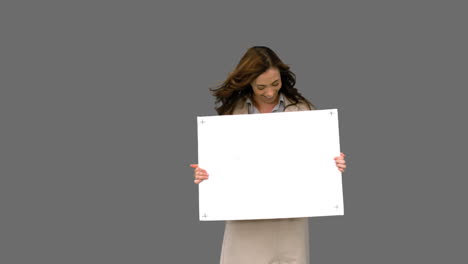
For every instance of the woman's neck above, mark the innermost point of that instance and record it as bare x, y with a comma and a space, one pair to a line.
265, 107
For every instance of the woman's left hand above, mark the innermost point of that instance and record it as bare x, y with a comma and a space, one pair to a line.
341, 162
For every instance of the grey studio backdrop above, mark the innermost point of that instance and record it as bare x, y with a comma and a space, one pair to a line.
98, 124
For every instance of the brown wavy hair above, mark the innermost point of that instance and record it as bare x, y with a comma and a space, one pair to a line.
256, 60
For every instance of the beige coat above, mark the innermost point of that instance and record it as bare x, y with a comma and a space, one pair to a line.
269, 241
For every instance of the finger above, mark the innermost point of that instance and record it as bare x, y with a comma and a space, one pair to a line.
342, 154
198, 169
194, 165
200, 179
339, 163
340, 166
197, 181
201, 173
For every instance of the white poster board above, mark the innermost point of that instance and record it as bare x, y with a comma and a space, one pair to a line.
263, 166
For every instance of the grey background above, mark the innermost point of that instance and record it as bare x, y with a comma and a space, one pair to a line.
98, 124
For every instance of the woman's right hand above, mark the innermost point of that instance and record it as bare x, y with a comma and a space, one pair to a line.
199, 174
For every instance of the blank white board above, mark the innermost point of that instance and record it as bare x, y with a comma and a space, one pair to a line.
264, 166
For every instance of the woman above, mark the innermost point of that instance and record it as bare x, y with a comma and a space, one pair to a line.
262, 83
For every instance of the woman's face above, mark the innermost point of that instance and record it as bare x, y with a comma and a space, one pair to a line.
266, 87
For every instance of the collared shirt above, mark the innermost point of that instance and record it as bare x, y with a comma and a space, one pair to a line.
279, 107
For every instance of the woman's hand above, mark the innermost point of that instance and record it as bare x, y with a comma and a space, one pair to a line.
341, 162
199, 174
